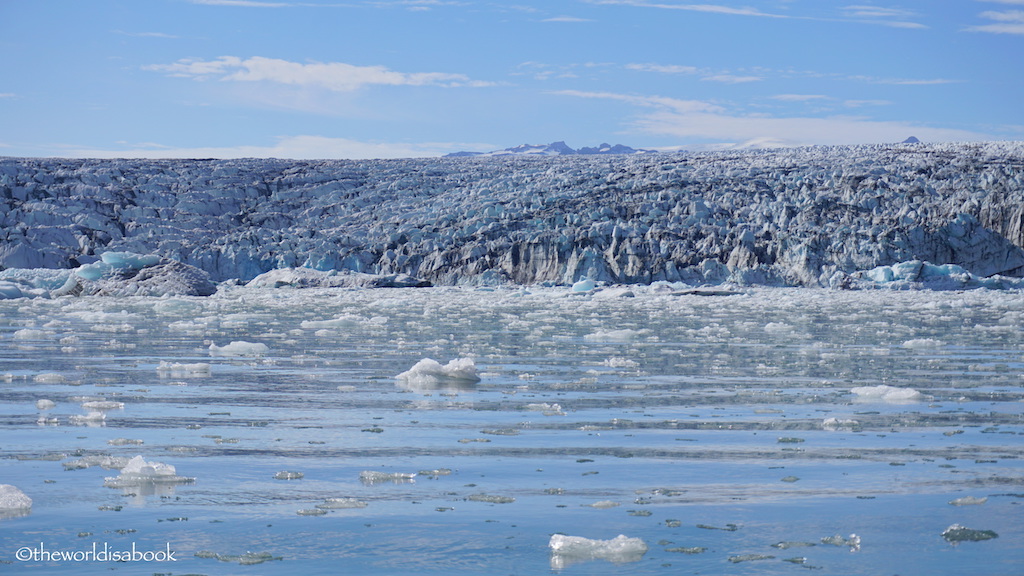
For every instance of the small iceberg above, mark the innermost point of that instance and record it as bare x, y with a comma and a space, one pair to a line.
138, 472
429, 374
13, 502
239, 348
566, 550
885, 393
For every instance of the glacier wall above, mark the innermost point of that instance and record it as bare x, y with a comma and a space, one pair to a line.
805, 216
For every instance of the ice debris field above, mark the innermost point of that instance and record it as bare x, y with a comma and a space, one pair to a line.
453, 430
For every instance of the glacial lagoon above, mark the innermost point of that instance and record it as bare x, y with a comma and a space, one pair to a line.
267, 431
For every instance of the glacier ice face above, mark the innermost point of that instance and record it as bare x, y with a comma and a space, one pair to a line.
809, 216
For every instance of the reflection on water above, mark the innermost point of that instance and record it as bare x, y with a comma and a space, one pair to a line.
790, 415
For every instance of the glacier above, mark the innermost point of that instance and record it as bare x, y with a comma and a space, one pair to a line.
901, 215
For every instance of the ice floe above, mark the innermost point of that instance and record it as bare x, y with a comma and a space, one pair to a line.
566, 550
886, 393
239, 348
427, 374
12, 498
139, 472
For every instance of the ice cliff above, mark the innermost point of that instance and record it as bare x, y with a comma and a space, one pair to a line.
809, 216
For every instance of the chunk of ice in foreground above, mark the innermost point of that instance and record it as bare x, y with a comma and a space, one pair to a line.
886, 393
957, 533
138, 472
429, 373
374, 477
566, 549
11, 498
239, 348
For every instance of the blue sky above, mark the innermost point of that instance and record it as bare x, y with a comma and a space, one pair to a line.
406, 78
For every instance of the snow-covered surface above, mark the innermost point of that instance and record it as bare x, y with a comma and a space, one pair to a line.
843, 216
619, 549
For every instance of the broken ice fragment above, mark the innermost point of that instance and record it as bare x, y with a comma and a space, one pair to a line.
491, 499
286, 475
957, 533
138, 472
239, 348
853, 541
341, 504
374, 477
13, 499
886, 393
565, 549
968, 501
429, 374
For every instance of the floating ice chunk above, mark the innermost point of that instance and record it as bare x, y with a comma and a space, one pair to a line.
622, 335
546, 409
138, 472
968, 501
45, 404
604, 504
565, 549
93, 418
176, 370
428, 374
491, 499
922, 343
10, 291
374, 477
311, 512
885, 393
957, 533
32, 334
11, 498
341, 504
103, 405
853, 541
836, 424
239, 348
288, 475
343, 321
618, 362
585, 285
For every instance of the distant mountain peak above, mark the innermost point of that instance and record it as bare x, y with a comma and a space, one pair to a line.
559, 148
911, 140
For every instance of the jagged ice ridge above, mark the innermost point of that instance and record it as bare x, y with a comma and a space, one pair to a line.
815, 216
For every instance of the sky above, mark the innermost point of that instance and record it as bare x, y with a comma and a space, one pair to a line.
421, 78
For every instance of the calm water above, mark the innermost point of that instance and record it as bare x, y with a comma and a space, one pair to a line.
722, 423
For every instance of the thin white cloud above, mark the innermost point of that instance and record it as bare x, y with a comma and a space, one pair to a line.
306, 147
731, 79
146, 34
7, 95
242, 3
710, 8
704, 121
566, 19
862, 103
1006, 22
905, 81
333, 76
664, 68
798, 97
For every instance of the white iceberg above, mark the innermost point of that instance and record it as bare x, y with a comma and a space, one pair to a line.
430, 374
12, 498
885, 393
138, 472
621, 549
239, 348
